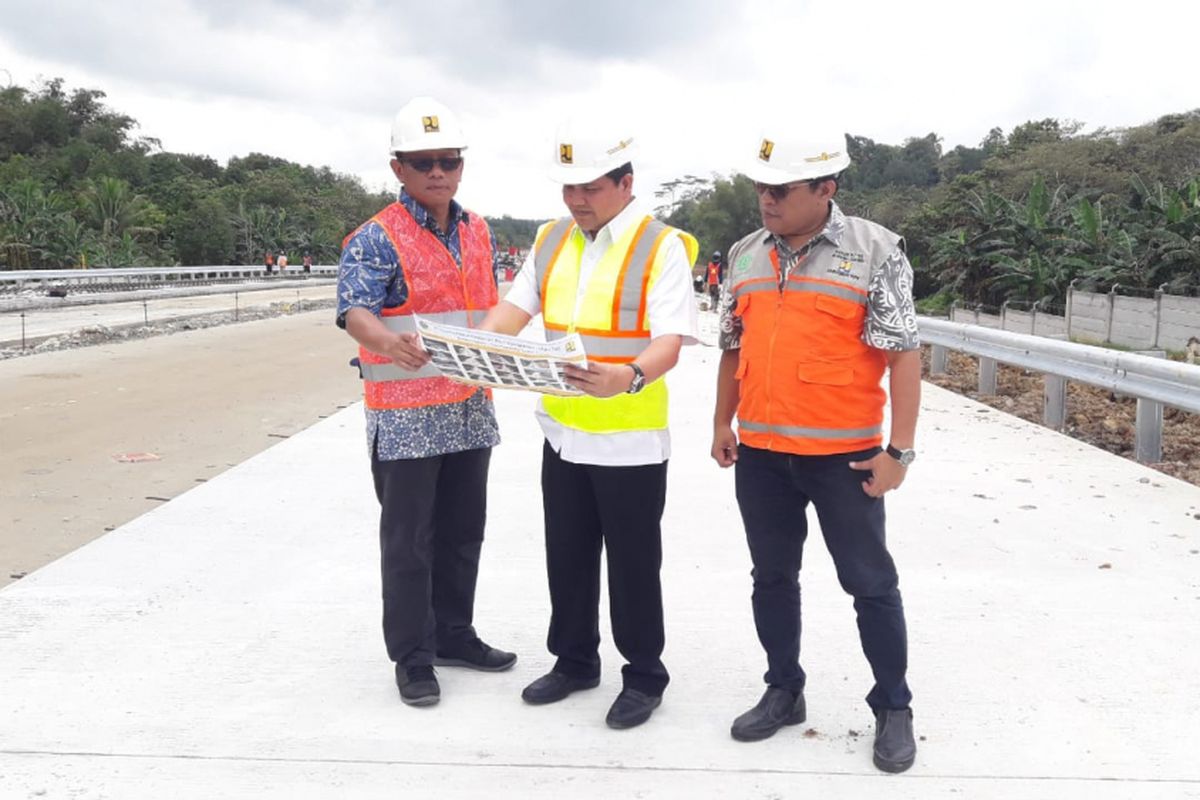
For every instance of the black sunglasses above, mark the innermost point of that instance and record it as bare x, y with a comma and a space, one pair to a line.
777, 191
447, 163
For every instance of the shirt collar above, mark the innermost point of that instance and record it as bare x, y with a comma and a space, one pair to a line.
425, 219
835, 226
617, 226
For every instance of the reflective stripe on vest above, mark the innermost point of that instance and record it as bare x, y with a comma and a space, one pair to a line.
613, 326
811, 433
437, 289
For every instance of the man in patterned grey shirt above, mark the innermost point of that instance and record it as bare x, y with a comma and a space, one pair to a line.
816, 307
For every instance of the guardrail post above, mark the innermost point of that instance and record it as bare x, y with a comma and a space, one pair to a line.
145, 313
1158, 298
953, 305
987, 375
1147, 446
1070, 298
1055, 396
1112, 304
1004, 316
22, 330
1033, 318
937, 359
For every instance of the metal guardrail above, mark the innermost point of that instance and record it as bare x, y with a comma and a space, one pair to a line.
16, 280
1155, 382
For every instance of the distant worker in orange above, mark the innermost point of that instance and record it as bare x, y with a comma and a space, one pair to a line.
269, 261
714, 276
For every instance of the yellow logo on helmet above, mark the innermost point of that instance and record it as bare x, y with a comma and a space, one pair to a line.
430, 123
822, 157
764, 152
566, 154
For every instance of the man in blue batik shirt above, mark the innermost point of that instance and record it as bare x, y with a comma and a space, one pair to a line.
429, 438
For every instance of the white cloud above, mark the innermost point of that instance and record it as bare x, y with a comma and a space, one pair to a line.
317, 81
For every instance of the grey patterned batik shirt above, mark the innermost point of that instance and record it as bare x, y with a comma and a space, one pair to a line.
891, 322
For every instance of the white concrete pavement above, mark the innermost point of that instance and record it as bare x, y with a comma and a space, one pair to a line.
227, 644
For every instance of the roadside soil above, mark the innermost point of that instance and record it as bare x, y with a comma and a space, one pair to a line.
95, 436
1094, 415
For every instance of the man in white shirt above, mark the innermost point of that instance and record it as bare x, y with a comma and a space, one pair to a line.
621, 280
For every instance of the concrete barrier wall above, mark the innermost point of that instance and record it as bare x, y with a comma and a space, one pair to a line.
1018, 321
1088, 319
1137, 322
1051, 325
1180, 321
1134, 321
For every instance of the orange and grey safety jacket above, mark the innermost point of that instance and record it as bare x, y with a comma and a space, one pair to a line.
808, 384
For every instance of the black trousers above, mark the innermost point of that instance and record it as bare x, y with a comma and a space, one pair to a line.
619, 509
430, 534
773, 491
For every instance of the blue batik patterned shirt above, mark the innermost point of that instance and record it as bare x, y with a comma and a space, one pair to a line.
371, 277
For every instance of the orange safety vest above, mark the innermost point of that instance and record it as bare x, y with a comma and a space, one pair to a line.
437, 290
808, 384
714, 273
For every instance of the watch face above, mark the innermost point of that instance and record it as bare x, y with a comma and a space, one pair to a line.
907, 457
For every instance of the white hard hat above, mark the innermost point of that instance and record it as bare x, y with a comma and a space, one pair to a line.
779, 156
425, 124
586, 148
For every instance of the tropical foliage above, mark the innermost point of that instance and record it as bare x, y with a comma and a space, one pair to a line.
77, 186
1018, 218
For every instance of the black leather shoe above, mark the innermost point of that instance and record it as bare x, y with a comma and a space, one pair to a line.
631, 708
476, 655
554, 686
778, 707
895, 749
418, 686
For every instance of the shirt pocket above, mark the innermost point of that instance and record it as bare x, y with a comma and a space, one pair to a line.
825, 373
837, 307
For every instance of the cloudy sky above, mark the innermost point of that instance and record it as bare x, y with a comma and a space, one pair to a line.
317, 81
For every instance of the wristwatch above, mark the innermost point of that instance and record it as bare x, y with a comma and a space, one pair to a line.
639, 379
905, 457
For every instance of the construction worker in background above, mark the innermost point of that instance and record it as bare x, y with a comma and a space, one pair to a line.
307, 263
282, 261
818, 306
430, 439
269, 261
622, 280
714, 280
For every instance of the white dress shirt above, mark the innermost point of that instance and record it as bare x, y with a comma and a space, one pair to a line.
670, 310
